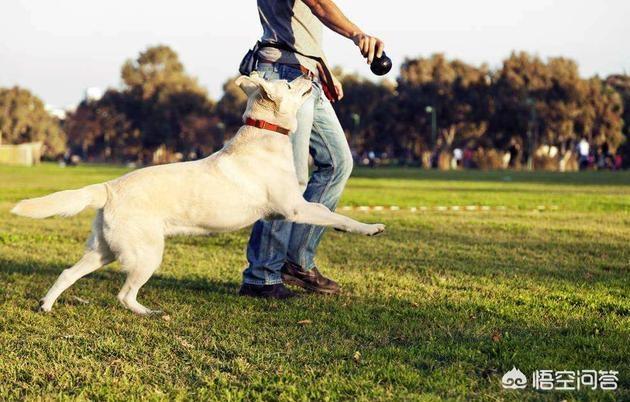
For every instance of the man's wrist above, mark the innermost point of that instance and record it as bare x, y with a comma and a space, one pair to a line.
356, 36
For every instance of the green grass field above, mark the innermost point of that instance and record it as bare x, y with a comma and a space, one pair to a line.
440, 307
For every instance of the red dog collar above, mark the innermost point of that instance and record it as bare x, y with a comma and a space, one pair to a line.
267, 126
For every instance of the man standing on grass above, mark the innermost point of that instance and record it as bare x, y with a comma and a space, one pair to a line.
283, 252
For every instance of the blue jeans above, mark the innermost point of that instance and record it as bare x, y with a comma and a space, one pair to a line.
319, 133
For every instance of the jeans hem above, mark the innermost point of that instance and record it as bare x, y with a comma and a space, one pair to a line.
257, 282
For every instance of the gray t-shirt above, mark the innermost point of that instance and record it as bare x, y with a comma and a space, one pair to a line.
291, 23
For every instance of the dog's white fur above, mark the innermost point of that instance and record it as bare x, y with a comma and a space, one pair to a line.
252, 177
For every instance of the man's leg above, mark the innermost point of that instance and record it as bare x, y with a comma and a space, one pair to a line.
268, 243
333, 165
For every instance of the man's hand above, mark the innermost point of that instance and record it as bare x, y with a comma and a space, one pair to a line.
369, 46
336, 84
338, 88
331, 16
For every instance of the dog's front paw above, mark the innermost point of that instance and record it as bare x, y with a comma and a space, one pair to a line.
44, 307
373, 230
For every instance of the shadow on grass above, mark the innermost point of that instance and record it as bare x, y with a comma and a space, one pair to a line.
429, 344
503, 255
9, 268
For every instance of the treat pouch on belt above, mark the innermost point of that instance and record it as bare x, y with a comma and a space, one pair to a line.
249, 62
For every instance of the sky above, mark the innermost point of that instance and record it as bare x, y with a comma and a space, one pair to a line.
59, 48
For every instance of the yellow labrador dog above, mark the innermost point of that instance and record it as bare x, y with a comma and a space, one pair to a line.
252, 177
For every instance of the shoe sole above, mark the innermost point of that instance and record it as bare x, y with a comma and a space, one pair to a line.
268, 297
292, 280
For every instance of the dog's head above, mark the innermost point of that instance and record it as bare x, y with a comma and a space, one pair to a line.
276, 102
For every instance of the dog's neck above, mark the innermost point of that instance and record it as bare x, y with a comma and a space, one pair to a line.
265, 125
262, 110
257, 144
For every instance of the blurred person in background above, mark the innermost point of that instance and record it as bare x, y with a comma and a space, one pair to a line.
583, 149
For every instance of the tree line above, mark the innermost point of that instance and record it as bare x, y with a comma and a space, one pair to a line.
528, 109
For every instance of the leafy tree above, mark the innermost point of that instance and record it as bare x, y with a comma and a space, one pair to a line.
367, 114
101, 129
526, 103
621, 84
458, 92
536, 103
157, 72
518, 93
159, 106
164, 99
23, 118
600, 115
231, 106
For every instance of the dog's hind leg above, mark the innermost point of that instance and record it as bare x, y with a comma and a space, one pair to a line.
97, 255
140, 263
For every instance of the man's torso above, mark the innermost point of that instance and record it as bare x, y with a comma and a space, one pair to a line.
290, 22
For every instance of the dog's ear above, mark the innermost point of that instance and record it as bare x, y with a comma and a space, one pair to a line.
247, 84
250, 83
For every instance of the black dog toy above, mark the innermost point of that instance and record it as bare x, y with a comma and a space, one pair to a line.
381, 65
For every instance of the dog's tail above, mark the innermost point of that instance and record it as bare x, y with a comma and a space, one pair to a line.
63, 203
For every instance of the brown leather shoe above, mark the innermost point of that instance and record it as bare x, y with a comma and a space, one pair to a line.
313, 280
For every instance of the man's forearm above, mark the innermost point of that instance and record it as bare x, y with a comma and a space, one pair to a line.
331, 16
